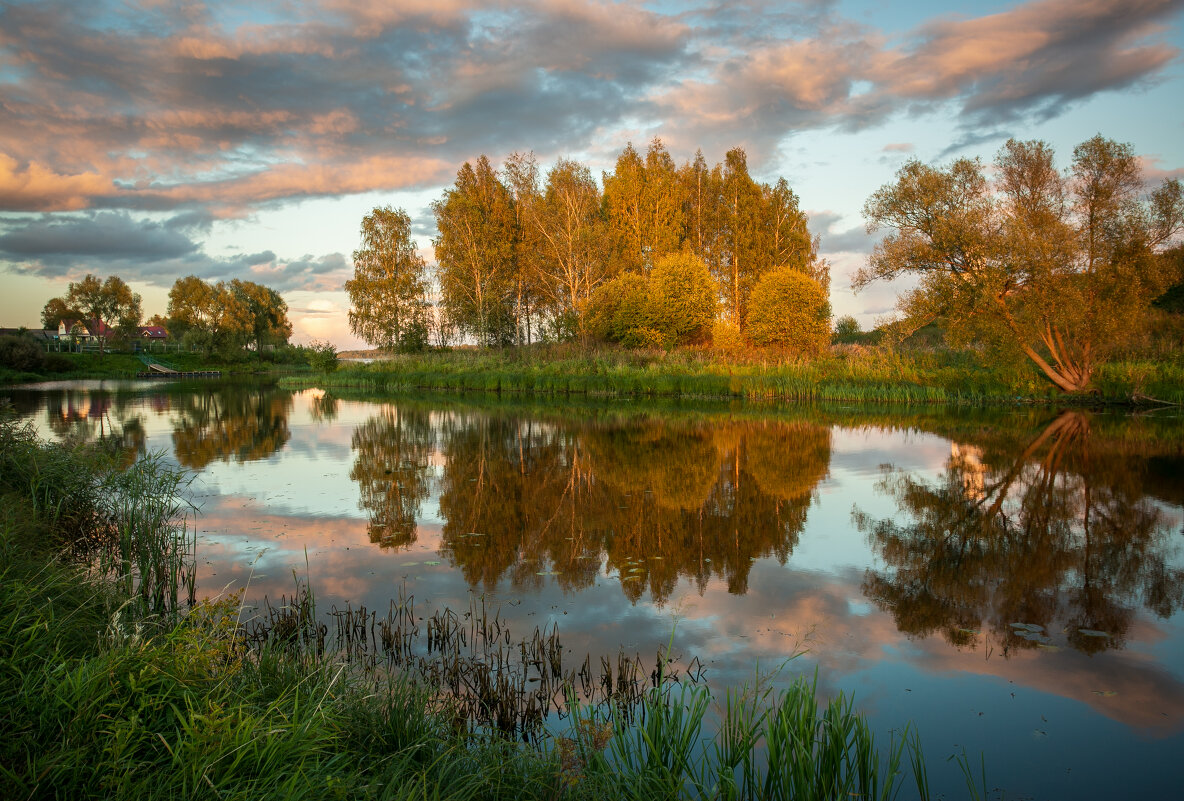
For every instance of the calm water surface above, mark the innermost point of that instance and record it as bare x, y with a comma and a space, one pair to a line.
1010, 581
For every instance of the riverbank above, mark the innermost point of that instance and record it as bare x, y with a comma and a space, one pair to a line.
850, 374
115, 688
112, 366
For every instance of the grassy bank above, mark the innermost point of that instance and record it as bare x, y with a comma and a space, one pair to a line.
75, 366
845, 375
112, 686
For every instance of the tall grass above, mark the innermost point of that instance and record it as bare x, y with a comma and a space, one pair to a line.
845, 375
777, 745
130, 524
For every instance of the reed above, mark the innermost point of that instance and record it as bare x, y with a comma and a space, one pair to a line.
768, 745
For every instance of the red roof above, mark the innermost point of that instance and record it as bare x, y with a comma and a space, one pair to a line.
154, 331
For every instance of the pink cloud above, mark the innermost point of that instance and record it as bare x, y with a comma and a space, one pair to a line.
37, 187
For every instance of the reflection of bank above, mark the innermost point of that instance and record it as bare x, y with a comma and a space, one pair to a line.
83, 416
650, 500
230, 422
1047, 542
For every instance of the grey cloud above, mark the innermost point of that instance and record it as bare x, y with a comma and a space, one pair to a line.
103, 235
318, 103
971, 139
1034, 58
151, 252
850, 240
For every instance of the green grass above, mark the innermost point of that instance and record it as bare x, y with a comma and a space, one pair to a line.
108, 691
877, 375
114, 365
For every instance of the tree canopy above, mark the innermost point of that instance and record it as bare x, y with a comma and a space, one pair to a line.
1060, 267
388, 293
520, 256
110, 303
227, 316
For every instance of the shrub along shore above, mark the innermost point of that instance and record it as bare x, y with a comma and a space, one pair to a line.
850, 374
114, 686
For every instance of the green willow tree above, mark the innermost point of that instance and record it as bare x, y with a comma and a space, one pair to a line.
388, 293
1058, 267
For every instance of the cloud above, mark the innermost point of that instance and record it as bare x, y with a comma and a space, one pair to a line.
36, 187
151, 252
184, 110
848, 240
1035, 57
104, 235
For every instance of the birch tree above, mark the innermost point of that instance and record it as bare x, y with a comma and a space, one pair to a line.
388, 293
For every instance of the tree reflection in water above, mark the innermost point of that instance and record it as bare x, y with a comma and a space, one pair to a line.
391, 467
230, 422
85, 417
653, 500
1055, 534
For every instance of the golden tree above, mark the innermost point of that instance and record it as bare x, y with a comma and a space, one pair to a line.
1058, 267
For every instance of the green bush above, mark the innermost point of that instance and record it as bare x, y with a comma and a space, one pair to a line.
682, 298
726, 337
619, 309
20, 353
790, 310
322, 357
847, 329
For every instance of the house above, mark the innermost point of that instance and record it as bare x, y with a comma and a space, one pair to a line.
84, 331
153, 333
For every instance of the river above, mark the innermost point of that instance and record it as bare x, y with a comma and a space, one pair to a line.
1009, 580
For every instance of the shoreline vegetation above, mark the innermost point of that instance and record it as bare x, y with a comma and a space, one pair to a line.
114, 685
850, 373
846, 373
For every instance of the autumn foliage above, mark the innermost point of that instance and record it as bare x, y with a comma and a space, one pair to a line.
790, 310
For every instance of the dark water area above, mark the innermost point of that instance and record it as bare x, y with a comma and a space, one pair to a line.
1009, 580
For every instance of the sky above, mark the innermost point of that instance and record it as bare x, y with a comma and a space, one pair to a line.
154, 139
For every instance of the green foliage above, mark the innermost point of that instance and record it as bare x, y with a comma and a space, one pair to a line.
727, 338
682, 298
475, 254
21, 353
111, 303
1058, 268
388, 304
675, 304
847, 330
618, 309
322, 356
224, 318
790, 310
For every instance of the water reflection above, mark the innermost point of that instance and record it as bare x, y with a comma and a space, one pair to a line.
654, 501
1046, 542
225, 422
392, 450
86, 417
